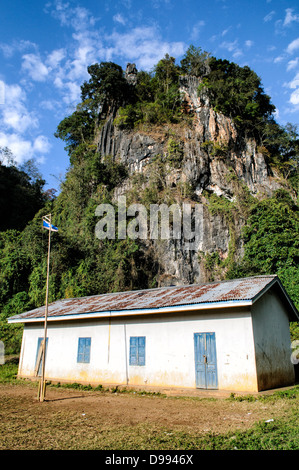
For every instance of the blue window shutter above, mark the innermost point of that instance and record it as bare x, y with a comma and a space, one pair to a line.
141, 351
137, 350
80, 350
133, 351
84, 345
87, 349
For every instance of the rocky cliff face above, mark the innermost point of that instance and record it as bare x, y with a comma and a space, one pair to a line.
212, 158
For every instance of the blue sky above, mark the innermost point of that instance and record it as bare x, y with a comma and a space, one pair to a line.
46, 46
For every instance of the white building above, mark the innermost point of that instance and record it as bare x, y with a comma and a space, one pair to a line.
229, 335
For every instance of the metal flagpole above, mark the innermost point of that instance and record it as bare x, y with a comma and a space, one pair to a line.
42, 386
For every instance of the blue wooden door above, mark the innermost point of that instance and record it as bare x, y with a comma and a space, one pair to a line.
205, 360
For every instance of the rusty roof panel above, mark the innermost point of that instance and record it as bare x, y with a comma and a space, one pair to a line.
222, 291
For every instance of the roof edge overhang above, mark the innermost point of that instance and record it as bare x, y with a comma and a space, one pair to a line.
133, 312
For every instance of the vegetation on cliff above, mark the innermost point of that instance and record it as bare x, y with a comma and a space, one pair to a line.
81, 264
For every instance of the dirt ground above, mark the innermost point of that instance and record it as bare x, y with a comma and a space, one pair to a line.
18, 403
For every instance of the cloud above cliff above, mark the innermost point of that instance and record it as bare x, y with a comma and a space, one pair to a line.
293, 46
91, 42
142, 45
290, 17
16, 121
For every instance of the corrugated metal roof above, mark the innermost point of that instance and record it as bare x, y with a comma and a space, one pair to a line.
174, 296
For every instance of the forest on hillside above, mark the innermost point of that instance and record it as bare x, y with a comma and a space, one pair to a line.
81, 265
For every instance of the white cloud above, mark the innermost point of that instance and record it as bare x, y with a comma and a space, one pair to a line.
229, 45
18, 120
58, 82
249, 43
73, 92
196, 30
23, 149
294, 98
14, 94
70, 72
15, 114
41, 144
84, 55
293, 46
55, 58
269, 17
49, 105
68, 66
142, 45
295, 82
292, 64
225, 31
233, 47
237, 53
15, 122
157, 3
2, 92
33, 65
290, 17
79, 18
118, 18
282, 25
9, 50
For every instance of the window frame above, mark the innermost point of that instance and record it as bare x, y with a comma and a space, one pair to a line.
84, 349
137, 351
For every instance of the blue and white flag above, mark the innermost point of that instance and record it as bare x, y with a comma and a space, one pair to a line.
49, 226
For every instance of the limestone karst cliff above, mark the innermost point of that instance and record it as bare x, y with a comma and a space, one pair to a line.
210, 157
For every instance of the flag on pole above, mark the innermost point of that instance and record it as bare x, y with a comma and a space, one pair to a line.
48, 225
47, 219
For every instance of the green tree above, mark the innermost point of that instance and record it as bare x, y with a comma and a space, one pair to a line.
146, 87
166, 73
195, 62
14, 266
271, 240
21, 195
237, 92
107, 86
280, 145
156, 98
77, 128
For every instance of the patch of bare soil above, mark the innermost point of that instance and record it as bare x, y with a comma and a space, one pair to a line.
19, 402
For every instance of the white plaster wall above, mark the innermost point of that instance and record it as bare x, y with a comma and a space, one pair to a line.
169, 350
272, 343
